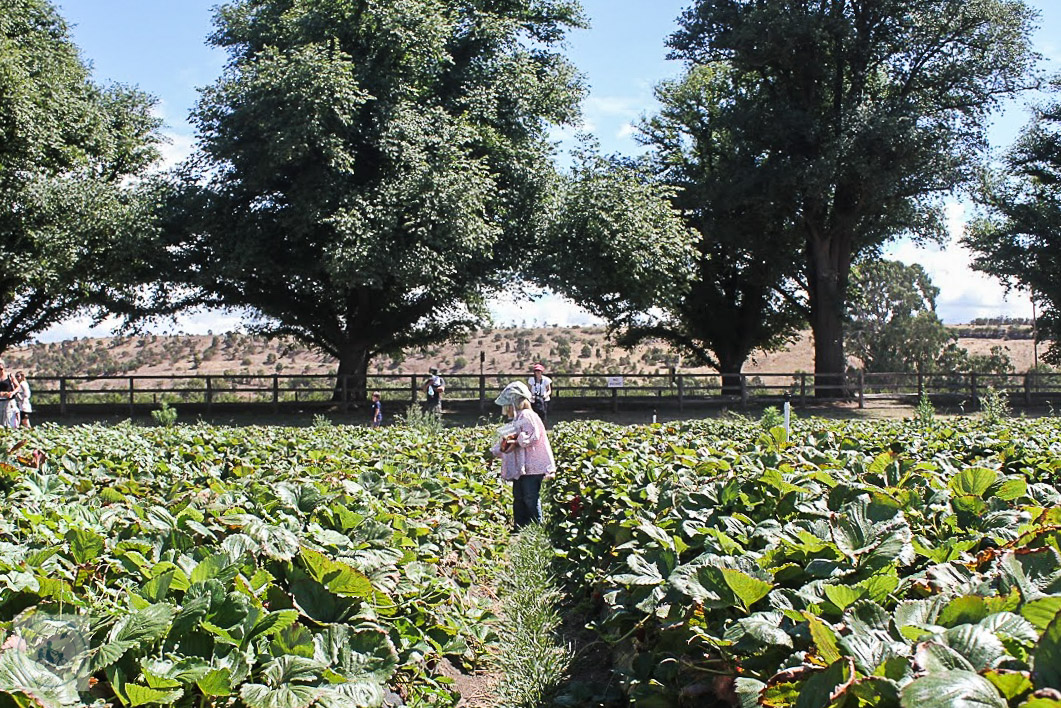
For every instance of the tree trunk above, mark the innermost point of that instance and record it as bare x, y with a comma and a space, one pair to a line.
828, 268
353, 374
729, 366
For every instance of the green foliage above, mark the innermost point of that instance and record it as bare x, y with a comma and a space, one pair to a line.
1019, 238
925, 413
617, 247
321, 421
166, 416
994, 405
771, 418
370, 171
874, 110
265, 566
879, 560
892, 323
69, 150
532, 662
424, 421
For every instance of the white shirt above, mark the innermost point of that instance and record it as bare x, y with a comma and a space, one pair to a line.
540, 388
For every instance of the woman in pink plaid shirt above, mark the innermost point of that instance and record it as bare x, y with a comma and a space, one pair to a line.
525, 452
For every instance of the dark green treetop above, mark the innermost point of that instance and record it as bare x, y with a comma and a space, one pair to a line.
371, 171
878, 110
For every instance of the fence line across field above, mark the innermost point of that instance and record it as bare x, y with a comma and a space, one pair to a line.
140, 392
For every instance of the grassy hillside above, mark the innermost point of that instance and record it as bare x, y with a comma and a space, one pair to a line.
504, 350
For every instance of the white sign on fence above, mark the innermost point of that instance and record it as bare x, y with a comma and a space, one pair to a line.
615, 382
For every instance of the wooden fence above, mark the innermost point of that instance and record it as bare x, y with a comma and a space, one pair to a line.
138, 394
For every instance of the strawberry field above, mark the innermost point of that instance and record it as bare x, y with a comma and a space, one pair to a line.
851, 565
704, 563
260, 567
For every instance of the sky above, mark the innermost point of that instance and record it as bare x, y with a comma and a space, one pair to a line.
160, 47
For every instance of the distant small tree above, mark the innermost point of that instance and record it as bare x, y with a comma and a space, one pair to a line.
892, 323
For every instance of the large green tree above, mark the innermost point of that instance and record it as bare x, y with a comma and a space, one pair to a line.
879, 108
69, 152
735, 289
370, 172
1019, 238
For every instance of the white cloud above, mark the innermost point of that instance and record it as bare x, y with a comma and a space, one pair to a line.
175, 149
964, 294
626, 131
541, 308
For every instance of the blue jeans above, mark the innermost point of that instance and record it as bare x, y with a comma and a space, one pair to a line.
526, 501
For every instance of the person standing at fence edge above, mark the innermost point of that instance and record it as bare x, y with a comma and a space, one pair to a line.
525, 452
22, 394
541, 388
377, 410
8, 386
434, 387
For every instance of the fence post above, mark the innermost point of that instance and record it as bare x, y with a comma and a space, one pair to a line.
482, 392
276, 393
743, 391
412, 388
209, 393
861, 389
802, 389
346, 393
132, 398
1028, 389
972, 388
62, 396
681, 393
615, 400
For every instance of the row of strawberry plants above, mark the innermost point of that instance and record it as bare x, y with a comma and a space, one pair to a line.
263, 567
852, 564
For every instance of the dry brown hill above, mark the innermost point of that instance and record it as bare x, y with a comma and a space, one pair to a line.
504, 350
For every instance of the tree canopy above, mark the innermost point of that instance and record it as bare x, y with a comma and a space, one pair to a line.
877, 110
724, 281
68, 151
1019, 238
892, 321
370, 171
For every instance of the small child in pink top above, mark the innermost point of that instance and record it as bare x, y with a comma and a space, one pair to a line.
525, 452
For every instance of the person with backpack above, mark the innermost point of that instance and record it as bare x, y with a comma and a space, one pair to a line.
434, 386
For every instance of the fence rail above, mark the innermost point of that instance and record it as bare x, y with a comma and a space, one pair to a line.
65, 394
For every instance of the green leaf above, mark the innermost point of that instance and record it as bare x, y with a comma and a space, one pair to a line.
951, 689
257, 695
137, 695
338, 577
20, 674
972, 481
748, 590
1042, 612
1011, 684
1046, 661
843, 595
85, 546
765, 627
977, 644
217, 566
217, 682
824, 639
146, 625
821, 685
963, 610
